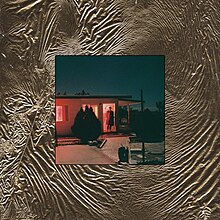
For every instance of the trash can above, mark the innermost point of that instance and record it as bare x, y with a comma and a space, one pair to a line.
123, 154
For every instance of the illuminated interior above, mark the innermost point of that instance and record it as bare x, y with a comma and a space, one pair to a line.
106, 108
59, 113
94, 107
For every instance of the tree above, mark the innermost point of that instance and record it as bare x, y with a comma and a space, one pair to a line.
160, 106
87, 126
78, 125
150, 127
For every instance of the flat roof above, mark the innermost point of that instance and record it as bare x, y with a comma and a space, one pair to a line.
125, 102
93, 96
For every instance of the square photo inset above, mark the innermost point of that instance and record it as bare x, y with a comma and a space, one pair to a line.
110, 110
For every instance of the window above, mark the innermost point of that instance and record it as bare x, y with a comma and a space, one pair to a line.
94, 108
62, 113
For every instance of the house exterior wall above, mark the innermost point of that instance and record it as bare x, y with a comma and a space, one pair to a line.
72, 106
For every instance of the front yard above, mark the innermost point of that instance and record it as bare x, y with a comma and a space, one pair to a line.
69, 151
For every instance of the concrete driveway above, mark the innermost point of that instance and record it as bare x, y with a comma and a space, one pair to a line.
108, 154
85, 154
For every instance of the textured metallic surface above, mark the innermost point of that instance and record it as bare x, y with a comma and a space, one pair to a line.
33, 32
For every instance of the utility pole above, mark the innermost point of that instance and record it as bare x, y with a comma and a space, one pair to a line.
142, 123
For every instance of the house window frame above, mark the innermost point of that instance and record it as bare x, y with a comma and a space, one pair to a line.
94, 107
63, 111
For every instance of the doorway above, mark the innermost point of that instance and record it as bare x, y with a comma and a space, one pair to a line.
109, 117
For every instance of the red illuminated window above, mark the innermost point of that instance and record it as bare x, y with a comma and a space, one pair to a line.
61, 113
94, 107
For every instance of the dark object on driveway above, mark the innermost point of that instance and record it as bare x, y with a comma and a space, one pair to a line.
93, 143
102, 144
123, 154
98, 143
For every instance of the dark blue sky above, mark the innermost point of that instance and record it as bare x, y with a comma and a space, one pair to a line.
112, 75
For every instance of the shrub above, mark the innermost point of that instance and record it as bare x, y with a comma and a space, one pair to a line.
87, 126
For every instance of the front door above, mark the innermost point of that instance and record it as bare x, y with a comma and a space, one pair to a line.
109, 117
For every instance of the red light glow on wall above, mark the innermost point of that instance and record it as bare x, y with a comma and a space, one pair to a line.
59, 113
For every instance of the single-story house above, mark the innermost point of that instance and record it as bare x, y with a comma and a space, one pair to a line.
67, 106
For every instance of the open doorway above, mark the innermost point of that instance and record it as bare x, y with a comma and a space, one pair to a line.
109, 117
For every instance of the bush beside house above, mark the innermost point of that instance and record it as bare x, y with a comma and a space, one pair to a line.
87, 126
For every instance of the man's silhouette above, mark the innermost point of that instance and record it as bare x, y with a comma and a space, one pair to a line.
110, 119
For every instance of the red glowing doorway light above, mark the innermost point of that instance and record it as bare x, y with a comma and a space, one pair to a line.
106, 108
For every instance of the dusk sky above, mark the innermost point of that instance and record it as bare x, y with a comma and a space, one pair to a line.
112, 75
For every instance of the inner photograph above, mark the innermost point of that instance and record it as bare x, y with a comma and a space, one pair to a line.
110, 110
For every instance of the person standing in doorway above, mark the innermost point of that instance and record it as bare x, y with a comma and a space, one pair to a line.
110, 119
